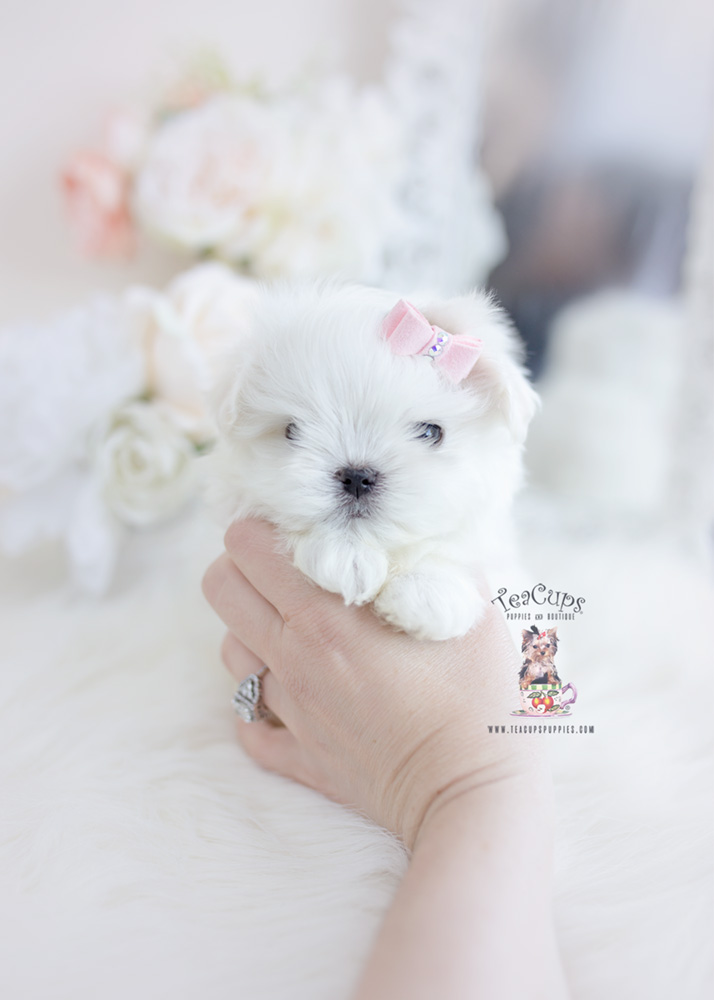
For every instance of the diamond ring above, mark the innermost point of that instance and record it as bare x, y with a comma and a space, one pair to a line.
246, 700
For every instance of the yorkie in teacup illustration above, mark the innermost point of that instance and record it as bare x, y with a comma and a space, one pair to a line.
539, 649
541, 689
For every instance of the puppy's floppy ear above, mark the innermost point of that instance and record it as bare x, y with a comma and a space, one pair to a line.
553, 632
499, 378
527, 637
231, 364
499, 374
224, 395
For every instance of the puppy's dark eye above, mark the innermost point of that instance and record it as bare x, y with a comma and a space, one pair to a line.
291, 432
431, 433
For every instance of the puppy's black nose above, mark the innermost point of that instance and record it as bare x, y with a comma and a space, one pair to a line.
357, 481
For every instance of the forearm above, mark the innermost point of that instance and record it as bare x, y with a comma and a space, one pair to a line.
474, 905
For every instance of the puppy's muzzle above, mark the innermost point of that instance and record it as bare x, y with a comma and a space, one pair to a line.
357, 482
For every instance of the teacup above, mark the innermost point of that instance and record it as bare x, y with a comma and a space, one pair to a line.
546, 699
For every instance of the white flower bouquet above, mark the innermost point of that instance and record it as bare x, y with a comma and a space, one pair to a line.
301, 184
107, 412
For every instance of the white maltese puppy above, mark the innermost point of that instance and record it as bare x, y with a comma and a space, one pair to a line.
383, 439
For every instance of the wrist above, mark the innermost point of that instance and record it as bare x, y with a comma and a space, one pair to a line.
503, 805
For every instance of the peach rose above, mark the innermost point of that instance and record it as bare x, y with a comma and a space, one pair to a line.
96, 192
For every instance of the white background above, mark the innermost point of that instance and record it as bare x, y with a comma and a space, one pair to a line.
65, 63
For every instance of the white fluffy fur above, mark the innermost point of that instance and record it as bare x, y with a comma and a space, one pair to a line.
315, 358
143, 855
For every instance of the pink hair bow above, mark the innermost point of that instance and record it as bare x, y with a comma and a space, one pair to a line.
409, 332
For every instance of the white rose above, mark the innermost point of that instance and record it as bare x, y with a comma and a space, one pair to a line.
329, 204
298, 187
145, 465
204, 170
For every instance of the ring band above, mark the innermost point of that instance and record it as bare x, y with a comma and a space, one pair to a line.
247, 698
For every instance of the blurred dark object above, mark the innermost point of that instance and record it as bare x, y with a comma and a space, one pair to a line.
571, 232
596, 118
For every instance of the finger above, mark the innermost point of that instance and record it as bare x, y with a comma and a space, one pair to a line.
241, 662
276, 749
254, 548
242, 609
237, 658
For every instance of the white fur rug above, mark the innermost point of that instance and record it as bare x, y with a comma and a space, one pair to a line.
143, 855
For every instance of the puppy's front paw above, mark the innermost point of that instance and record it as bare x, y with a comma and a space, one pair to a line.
432, 602
342, 568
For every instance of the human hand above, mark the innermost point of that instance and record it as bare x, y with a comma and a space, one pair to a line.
373, 718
